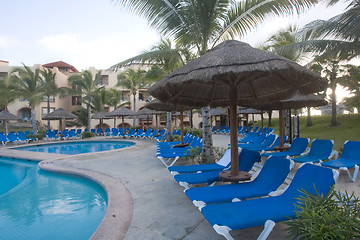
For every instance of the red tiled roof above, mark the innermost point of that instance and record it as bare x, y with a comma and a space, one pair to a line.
60, 64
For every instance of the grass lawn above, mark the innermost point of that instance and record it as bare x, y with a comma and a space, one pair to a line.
348, 128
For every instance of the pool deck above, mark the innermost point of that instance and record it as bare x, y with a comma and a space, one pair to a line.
160, 209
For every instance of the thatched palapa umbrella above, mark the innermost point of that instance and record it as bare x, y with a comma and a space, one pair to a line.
168, 107
246, 111
121, 112
6, 116
296, 101
233, 73
145, 112
61, 115
101, 116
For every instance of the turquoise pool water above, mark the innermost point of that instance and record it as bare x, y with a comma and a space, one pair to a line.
73, 148
36, 204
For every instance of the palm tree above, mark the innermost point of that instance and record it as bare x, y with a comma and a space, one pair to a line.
26, 84
132, 80
351, 80
337, 37
7, 94
113, 99
202, 24
86, 85
50, 89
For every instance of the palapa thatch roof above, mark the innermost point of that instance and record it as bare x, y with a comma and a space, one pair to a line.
246, 110
120, 112
59, 114
5, 115
217, 112
256, 75
295, 102
165, 107
101, 115
145, 112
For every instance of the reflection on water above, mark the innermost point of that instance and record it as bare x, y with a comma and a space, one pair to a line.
50, 206
78, 147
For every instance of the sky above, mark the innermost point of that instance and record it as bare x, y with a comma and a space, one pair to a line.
96, 33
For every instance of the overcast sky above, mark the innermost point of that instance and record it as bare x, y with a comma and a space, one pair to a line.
94, 33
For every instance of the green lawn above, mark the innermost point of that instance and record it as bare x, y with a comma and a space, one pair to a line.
348, 129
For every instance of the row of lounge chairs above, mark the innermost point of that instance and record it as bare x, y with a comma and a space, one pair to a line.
243, 130
169, 152
18, 137
133, 133
262, 201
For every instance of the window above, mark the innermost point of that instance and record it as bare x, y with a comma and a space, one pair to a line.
45, 111
76, 100
51, 99
141, 96
104, 79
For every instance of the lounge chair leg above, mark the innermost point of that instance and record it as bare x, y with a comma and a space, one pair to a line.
356, 171
163, 161
268, 227
223, 230
174, 161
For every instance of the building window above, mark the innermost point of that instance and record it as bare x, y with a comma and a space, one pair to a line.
76, 100
51, 99
104, 79
141, 96
45, 111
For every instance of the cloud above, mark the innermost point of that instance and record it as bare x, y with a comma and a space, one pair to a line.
6, 41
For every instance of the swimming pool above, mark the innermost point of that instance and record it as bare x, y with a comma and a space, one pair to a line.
73, 148
36, 204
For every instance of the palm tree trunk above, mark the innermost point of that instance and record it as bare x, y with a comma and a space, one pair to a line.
309, 121
89, 113
333, 106
33, 120
207, 137
134, 109
48, 111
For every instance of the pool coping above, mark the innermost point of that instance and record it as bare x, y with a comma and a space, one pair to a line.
117, 218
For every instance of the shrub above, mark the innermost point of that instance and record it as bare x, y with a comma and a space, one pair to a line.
334, 216
194, 131
88, 135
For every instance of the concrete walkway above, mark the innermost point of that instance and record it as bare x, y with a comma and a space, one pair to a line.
160, 208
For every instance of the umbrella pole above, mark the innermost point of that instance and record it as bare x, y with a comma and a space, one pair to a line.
262, 121
233, 133
181, 126
5, 127
281, 127
123, 127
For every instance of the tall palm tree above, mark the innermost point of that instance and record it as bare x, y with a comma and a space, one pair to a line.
26, 84
7, 95
87, 85
132, 80
202, 24
50, 89
113, 99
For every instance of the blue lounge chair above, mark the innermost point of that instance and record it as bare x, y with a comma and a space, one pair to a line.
213, 129
265, 144
269, 148
297, 147
131, 133
3, 139
350, 158
138, 133
247, 159
176, 153
320, 150
271, 176
93, 130
256, 140
225, 217
222, 164
99, 131
23, 137
107, 132
147, 134
13, 138
51, 135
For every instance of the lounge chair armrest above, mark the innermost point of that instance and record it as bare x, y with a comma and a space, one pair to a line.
334, 153
278, 192
307, 150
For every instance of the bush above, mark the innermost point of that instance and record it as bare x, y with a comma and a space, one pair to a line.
194, 131
334, 216
88, 135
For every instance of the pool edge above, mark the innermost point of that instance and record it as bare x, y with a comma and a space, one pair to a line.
116, 221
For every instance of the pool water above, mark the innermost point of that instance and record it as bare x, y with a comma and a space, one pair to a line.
36, 204
73, 148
